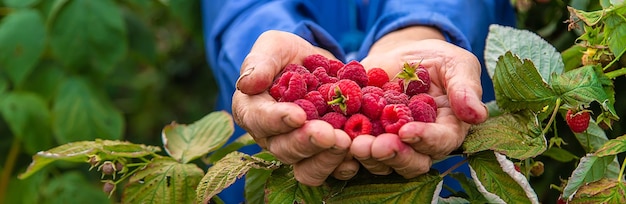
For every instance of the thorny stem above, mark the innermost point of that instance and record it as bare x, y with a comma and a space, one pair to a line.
621, 172
457, 165
8, 167
614, 74
556, 109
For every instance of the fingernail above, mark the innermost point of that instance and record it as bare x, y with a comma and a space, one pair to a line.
346, 173
411, 139
287, 120
361, 158
387, 157
245, 73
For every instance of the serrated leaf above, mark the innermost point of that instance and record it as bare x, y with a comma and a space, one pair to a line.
282, 187
559, 154
515, 138
185, 143
80, 152
469, 187
243, 140
254, 190
615, 31
87, 34
163, 180
590, 168
23, 39
493, 177
392, 188
78, 114
593, 138
518, 86
22, 111
590, 18
525, 45
602, 191
579, 86
20, 3
453, 200
612, 147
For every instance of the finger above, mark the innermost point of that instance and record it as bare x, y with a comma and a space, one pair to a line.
435, 139
389, 150
346, 170
462, 75
314, 171
266, 59
262, 116
313, 137
361, 149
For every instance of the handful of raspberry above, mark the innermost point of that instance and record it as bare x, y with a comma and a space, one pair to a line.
355, 100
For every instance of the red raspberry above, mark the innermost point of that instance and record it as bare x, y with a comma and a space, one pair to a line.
318, 100
377, 128
334, 67
415, 79
392, 86
395, 97
355, 72
289, 87
311, 81
394, 116
323, 89
323, 77
372, 105
377, 77
309, 108
295, 68
422, 111
337, 120
357, 124
314, 61
425, 98
578, 121
373, 90
345, 97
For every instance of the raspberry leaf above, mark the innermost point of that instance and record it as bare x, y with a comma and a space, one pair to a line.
612, 147
282, 187
602, 191
24, 110
590, 169
22, 36
580, 87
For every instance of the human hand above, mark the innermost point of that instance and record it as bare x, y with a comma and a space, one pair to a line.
314, 147
455, 78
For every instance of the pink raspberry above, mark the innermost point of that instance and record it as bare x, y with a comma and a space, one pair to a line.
323, 89
392, 86
377, 128
372, 105
311, 81
314, 61
353, 71
394, 116
395, 97
373, 90
357, 124
415, 79
318, 100
295, 68
422, 111
425, 98
337, 120
323, 77
309, 108
335, 65
377, 77
345, 97
289, 87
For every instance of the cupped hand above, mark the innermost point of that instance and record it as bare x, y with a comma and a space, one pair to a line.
315, 149
456, 87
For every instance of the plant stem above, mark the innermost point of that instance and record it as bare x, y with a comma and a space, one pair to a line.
615, 73
5, 176
621, 171
556, 109
457, 165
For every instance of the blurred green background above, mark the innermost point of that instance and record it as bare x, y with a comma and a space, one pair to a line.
123, 69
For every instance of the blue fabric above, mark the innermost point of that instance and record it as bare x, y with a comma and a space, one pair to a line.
347, 28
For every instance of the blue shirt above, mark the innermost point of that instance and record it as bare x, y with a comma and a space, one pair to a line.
346, 28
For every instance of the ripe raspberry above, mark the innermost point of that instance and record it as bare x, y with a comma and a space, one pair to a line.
373, 90
311, 81
377, 128
577, 121
289, 87
425, 98
392, 86
372, 105
323, 89
345, 97
394, 116
422, 111
354, 71
323, 77
295, 68
318, 100
337, 120
334, 67
395, 97
314, 61
415, 79
357, 124
309, 108
377, 77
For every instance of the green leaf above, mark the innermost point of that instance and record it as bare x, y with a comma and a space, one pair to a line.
86, 34
593, 138
572, 57
498, 180
141, 38
560, 155
78, 114
282, 187
185, 143
256, 179
518, 86
20, 3
591, 168
226, 171
81, 151
602, 191
45, 80
30, 186
525, 45
615, 31
474, 196
579, 87
612, 147
28, 117
23, 39
517, 138
453, 200
243, 140
163, 180
4, 85
71, 187
590, 18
